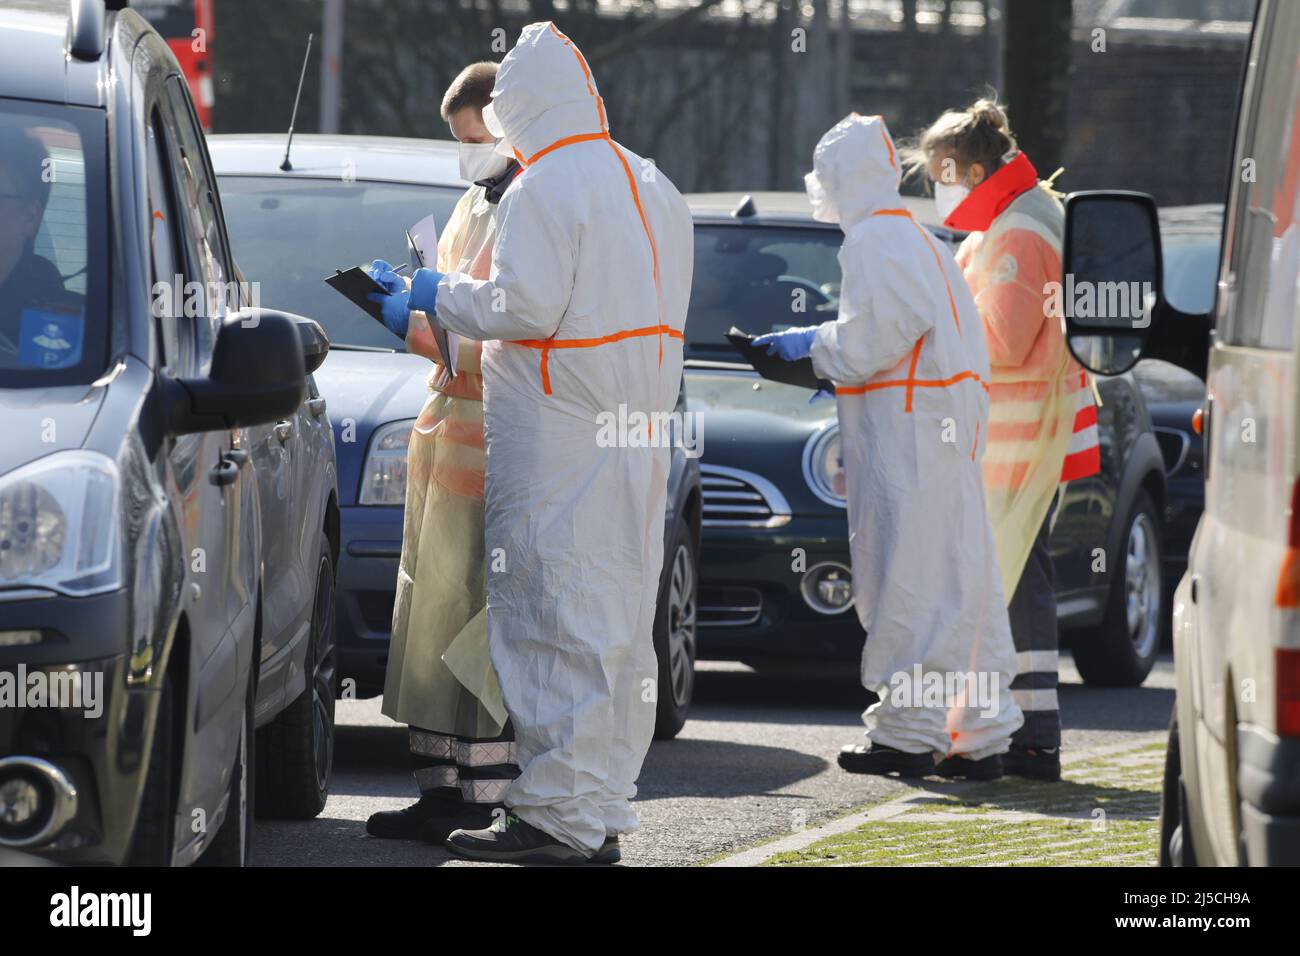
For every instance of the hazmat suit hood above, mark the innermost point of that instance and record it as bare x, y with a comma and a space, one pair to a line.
543, 93
855, 171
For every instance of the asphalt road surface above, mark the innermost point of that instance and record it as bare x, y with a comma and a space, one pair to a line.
755, 761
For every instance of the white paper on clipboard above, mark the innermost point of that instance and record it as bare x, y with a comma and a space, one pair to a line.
422, 243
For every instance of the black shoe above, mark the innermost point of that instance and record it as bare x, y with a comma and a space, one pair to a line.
880, 759
608, 852
1035, 764
405, 824
511, 840
989, 768
468, 816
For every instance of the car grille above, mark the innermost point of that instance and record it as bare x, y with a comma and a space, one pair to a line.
729, 606
741, 499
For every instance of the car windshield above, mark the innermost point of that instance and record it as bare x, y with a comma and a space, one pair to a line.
759, 279
53, 295
288, 234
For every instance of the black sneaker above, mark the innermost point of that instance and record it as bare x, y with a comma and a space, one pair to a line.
608, 853
405, 824
1034, 764
511, 840
880, 759
468, 816
988, 768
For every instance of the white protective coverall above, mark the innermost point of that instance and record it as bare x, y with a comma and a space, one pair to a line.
584, 309
909, 361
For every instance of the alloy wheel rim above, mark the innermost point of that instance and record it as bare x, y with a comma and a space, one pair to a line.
1142, 586
323, 674
681, 626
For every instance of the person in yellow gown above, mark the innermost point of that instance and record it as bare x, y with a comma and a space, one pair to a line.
440, 680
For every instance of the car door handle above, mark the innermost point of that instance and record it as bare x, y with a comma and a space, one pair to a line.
283, 431
316, 406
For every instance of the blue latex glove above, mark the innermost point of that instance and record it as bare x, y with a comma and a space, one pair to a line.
791, 345
820, 394
424, 290
396, 309
382, 272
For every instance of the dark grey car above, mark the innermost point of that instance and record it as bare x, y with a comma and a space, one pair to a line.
168, 519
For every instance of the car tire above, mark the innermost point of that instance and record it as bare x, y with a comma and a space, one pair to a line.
1175, 834
675, 634
295, 751
233, 844
151, 845
1122, 651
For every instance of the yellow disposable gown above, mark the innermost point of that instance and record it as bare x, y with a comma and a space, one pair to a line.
439, 676
1042, 420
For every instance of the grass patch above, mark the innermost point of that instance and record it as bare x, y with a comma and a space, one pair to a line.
1103, 813
900, 842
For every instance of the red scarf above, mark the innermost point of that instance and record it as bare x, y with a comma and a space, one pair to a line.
987, 200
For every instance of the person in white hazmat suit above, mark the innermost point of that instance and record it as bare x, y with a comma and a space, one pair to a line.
582, 312
910, 367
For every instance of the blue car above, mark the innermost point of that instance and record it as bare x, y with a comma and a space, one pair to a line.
344, 201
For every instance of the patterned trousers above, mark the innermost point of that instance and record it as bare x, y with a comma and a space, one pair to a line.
476, 770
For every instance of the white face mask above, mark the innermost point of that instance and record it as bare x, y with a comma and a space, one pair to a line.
823, 207
948, 196
481, 161
504, 146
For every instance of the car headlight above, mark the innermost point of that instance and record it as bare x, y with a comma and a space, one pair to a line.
59, 521
823, 466
383, 480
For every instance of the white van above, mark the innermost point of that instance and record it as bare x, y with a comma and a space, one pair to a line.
1232, 775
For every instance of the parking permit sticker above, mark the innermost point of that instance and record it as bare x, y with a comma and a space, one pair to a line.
50, 339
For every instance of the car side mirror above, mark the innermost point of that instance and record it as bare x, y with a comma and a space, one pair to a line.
315, 343
1111, 295
1111, 277
258, 376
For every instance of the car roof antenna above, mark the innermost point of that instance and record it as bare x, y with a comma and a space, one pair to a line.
746, 208
286, 165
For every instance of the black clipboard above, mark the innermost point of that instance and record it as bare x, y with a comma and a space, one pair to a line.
356, 286
799, 373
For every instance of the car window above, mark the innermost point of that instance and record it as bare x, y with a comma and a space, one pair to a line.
289, 233
54, 248
198, 194
759, 279
1265, 245
1191, 265
176, 327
